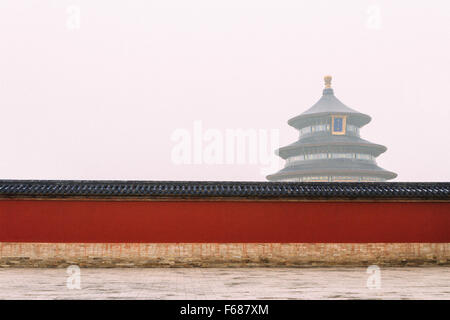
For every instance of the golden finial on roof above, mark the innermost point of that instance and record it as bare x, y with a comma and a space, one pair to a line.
327, 82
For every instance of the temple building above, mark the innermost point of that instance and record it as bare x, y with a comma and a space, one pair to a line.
330, 147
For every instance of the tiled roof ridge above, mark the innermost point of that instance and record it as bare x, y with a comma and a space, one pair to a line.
223, 189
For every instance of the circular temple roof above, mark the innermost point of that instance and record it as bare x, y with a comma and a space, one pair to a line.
328, 104
326, 141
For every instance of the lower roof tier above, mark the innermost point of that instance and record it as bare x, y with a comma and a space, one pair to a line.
344, 167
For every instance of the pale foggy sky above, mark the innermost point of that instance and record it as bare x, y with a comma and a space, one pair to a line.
102, 101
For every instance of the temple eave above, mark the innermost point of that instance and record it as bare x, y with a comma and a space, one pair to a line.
387, 175
290, 150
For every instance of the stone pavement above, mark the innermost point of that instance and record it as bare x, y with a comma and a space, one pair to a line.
226, 283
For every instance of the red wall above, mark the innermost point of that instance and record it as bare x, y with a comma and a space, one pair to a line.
222, 221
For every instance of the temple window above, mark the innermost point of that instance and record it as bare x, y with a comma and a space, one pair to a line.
342, 155
362, 156
331, 155
344, 179
353, 129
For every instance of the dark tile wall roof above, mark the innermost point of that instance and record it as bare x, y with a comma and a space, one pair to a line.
199, 189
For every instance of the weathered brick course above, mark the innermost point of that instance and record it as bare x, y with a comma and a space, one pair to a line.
221, 254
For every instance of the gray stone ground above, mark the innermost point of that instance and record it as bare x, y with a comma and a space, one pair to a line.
229, 283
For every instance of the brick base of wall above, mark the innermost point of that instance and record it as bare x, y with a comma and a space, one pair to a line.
221, 254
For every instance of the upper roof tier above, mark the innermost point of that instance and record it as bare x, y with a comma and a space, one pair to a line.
328, 104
